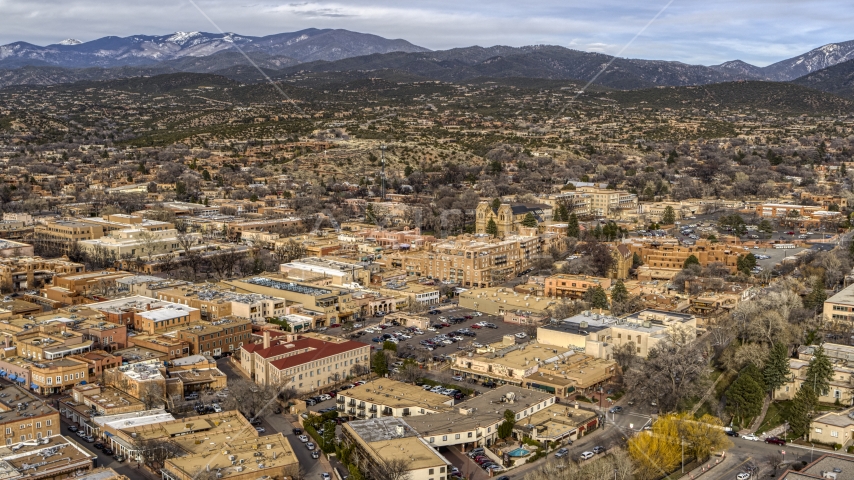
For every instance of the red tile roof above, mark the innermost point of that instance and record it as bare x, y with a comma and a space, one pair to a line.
326, 349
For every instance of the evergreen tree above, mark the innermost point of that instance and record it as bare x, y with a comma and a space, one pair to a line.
691, 260
746, 394
380, 363
496, 203
802, 409
574, 231
506, 427
492, 228
596, 297
776, 370
619, 293
530, 220
637, 261
815, 299
370, 217
819, 371
765, 227
746, 263
669, 216
562, 214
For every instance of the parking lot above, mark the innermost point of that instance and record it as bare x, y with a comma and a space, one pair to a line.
443, 341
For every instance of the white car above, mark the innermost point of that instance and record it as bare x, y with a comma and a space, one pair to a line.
405, 336
431, 329
751, 437
482, 324
742, 476
586, 455
325, 397
521, 335
370, 330
303, 438
476, 314
325, 476
260, 429
477, 345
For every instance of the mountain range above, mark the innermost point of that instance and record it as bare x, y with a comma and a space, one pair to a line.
327, 50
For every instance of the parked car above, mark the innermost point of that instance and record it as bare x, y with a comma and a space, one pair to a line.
731, 433
586, 455
561, 453
315, 454
303, 438
775, 441
297, 431
598, 449
457, 378
616, 409
108, 451
72, 428
751, 437
521, 335
742, 476
120, 458
309, 446
98, 445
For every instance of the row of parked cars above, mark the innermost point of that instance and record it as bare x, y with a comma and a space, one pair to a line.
98, 445
311, 401
451, 392
486, 463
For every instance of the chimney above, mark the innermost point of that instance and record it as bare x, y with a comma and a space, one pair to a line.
266, 339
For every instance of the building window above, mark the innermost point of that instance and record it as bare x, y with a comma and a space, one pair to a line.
834, 433
817, 430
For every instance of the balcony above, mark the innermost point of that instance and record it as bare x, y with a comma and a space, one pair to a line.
361, 406
373, 409
387, 411
352, 403
340, 408
352, 411
340, 400
361, 415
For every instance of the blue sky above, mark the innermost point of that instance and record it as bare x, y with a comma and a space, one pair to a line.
691, 31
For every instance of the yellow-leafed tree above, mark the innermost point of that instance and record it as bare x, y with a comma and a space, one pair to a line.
658, 452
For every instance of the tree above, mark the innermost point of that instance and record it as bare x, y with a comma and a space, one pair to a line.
491, 228
819, 371
637, 261
151, 394
288, 251
625, 355
802, 410
691, 260
765, 227
496, 204
328, 436
745, 395
505, 429
596, 297
619, 293
746, 263
379, 363
391, 469
530, 220
776, 371
669, 216
670, 374
815, 299
390, 346
573, 229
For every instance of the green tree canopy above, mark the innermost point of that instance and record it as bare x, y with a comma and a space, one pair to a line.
619, 293
492, 228
802, 410
596, 297
669, 216
776, 370
819, 371
530, 220
573, 229
746, 263
496, 203
691, 260
815, 299
746, 394
380, 363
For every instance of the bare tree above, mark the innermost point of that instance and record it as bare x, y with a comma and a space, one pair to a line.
151, 394
392, 469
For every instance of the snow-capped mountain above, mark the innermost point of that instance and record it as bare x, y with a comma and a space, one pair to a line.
814, 60
306, 45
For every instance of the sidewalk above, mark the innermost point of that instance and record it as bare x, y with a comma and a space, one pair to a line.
717, 464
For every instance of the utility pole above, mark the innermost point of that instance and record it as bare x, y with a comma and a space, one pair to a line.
682, 441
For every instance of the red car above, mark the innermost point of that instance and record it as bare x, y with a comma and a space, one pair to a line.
468, 317
776, 441
476, 326
335, 325
790, 233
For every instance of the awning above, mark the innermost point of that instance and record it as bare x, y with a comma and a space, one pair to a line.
12, 376
2, 374
83, 382
34, 386
22, 380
